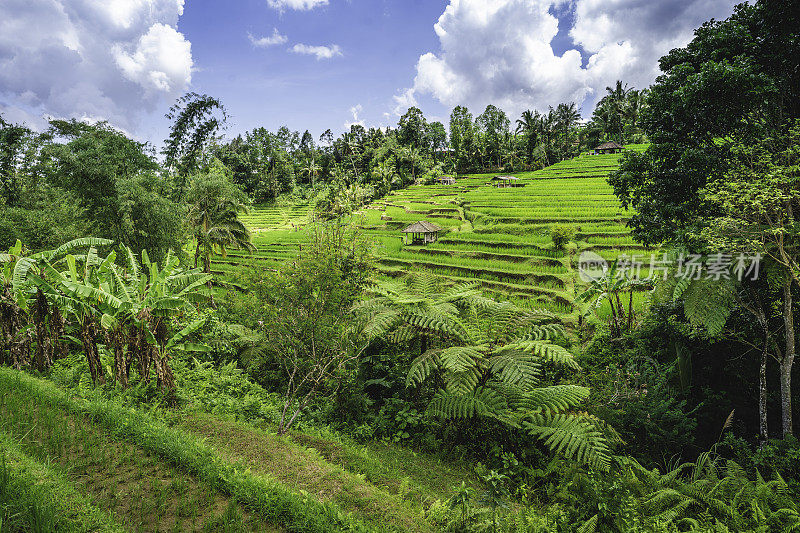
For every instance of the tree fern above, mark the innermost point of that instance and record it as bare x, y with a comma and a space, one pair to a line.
484, 403
544, 350
422, 367
708, 303
571, 435
552, 399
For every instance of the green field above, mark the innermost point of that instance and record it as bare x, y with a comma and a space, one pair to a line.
499, 237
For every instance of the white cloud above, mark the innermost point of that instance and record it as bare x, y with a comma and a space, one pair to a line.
355, 111
322, 52
90, 59
272, 40
161, 60
500, 52
404, 100
300, 5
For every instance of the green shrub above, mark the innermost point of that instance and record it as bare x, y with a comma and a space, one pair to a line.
561, 235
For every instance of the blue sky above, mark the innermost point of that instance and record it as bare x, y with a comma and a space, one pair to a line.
318, 64
380, 42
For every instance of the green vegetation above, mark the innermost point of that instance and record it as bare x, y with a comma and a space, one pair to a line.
249, 344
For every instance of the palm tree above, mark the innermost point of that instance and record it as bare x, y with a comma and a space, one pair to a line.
214, 207
566, 116
617, 100
610, 287
312, 170
528, 126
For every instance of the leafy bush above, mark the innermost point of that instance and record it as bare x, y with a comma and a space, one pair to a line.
561, 235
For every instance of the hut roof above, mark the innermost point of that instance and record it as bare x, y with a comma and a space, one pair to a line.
610, 145
504, 178
422, 226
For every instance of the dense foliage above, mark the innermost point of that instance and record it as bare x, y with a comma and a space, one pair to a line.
656, 403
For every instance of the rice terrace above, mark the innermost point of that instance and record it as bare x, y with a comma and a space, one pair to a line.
443, 266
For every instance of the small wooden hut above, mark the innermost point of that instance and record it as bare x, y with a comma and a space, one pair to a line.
421, 232
609, 147
502, 182
446, 180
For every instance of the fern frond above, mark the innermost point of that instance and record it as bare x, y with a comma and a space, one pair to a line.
484, 403
515, 369
554, 398
422, 367
550, 352
708, 303
572, 436
590, 526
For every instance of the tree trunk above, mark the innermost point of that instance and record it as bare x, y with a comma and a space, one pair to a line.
88, 331
56, 332
788, 359
114, 340
763, 430
41, 311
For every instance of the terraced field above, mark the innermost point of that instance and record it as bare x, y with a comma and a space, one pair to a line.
497, 236
278, 233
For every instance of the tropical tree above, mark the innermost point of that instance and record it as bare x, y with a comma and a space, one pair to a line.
197, 119
528, 126
87, 295
214, 207
311, 170
610, 288
487, 361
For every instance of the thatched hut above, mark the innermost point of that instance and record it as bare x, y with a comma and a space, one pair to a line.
609, 147
502, 182
422, 232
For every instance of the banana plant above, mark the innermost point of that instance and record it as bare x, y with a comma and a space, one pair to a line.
13, 307
129, 304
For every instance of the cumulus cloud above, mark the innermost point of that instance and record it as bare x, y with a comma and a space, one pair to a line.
300, 5
404, 100
500, 51
356, 112
92, 59
321, 52
272, 40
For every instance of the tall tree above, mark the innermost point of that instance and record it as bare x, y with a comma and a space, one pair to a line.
462, 137
494, 125
214, 207
197, 119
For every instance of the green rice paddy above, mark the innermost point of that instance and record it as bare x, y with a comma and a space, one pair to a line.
499, 237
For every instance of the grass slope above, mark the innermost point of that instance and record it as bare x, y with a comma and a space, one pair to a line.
203, 472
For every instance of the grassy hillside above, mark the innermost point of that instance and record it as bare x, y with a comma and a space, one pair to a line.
93, 465
497, 236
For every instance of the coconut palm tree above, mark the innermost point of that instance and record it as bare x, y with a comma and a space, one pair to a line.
214, 207
616, 100
528, 125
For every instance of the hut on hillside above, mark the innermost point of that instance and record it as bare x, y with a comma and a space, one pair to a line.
446, 180
502, 182
421, 232
609, 147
